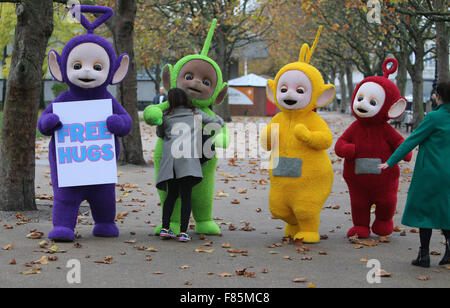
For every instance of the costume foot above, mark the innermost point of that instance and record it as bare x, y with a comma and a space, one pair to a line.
175, 227
423, 260
62, 234
208, 228
106, 230
446, 259
383, 228
308, 237
362, 232
291, 230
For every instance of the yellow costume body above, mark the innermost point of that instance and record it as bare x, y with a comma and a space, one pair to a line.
302, 173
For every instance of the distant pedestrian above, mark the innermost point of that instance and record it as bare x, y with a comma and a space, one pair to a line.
428, 205
161, 97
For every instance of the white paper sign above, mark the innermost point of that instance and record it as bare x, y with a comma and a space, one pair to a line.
85, 149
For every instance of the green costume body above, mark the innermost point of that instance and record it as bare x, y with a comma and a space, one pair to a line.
203, 193
428, 204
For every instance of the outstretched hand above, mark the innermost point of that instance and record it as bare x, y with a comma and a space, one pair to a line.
383, 166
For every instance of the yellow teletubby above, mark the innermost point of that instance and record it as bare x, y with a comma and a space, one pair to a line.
301, 171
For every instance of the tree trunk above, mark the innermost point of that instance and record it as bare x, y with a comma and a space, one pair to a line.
442, 39
402, 75
17, 150
416, 72
349, 74
122, 26
343, 91
223, 109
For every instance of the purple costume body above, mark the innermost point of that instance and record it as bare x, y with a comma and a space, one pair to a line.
102, 198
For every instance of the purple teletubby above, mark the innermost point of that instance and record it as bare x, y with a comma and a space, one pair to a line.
88, 64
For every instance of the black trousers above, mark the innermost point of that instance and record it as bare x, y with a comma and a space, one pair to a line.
425, 237
176, 188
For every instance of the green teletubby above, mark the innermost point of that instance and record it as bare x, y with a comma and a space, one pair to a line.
201, 78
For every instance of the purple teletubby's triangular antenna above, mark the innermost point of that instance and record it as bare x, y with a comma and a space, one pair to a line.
77, 11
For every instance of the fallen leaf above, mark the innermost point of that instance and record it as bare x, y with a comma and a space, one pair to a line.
424, 278
225, 275
184, 266
226, 245
8, 247
204, 250
382, 273
33, 271
13, 262
35, 235
300, 280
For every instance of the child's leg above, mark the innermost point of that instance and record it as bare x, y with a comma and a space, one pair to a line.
186, 203
169, 204
423, 260
446, 259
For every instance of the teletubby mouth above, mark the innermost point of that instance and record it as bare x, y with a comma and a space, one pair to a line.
194, 90
362, 110
86, 80
290, 102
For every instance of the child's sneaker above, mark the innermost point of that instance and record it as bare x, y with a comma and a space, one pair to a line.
167, 234
184, 237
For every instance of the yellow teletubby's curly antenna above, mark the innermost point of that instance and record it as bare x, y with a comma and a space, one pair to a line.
306, 53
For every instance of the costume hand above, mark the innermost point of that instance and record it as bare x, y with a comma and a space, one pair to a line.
349, 151
50, 123
302, 133
115, 124
153, 116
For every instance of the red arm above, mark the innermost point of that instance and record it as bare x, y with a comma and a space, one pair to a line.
344, 147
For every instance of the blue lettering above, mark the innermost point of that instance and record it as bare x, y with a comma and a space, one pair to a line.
103, 132
91, 131
65, 155
76, 133
82, 157
94, 153
108, 154
63, 133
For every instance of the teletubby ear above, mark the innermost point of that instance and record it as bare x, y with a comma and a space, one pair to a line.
166, 77
122, 71
269, 91
398, 108
326, 97
53, 65
222, 95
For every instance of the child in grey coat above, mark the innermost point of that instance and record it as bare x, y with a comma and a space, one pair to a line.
180, 168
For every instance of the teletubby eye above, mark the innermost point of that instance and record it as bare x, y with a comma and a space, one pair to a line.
98, 67
284, 90
360, 99
301, 91
77, 66
207, 82
373, 102
189, 76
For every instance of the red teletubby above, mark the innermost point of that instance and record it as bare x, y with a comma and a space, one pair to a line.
370, 141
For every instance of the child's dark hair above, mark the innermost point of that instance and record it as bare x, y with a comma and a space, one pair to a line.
443, 90
178, 98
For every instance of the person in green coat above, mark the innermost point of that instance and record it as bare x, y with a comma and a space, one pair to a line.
428, 204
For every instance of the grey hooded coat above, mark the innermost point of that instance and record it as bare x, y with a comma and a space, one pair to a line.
182, 132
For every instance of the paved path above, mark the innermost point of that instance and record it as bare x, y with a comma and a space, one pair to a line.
146, 261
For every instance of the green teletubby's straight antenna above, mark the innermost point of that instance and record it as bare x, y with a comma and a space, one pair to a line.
208, 42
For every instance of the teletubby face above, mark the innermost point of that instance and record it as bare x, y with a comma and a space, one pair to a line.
198, 79
369, 100
88, 66
294, 90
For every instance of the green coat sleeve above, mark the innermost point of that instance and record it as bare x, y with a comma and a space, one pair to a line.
425, 129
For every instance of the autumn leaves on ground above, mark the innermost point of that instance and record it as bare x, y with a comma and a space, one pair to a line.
251, 252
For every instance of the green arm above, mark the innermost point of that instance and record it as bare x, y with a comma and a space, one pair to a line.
425, 129
153, 115
223, 138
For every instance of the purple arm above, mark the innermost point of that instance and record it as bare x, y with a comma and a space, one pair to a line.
120, 123
49, 122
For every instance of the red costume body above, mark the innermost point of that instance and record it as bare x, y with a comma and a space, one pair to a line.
373, 138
